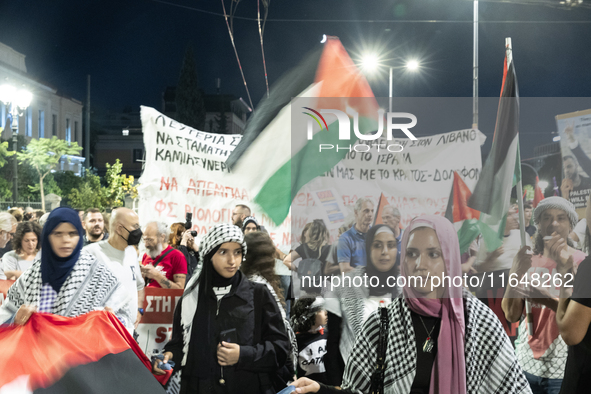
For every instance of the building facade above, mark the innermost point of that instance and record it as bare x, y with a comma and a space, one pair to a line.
49, 114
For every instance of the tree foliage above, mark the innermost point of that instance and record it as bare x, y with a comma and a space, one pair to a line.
90, 193
44, 154
189, 101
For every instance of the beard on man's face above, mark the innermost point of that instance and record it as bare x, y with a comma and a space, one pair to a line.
154, 252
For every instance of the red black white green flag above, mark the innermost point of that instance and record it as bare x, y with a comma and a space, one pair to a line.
89, 354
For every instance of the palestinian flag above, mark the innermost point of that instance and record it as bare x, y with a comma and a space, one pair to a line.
89, 354
502, 169
277, 153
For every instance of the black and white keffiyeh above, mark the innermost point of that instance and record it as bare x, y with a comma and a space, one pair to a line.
217, 235
91, 284
491, 364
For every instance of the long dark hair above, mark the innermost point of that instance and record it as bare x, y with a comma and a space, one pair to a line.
260, 260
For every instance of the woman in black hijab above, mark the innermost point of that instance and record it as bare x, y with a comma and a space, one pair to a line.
228, 335
66, 281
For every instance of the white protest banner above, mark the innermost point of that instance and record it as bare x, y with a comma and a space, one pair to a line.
575, 145
185, 171
417, 180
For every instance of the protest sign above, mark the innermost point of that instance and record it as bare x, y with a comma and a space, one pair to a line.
155, 328
417, 180
185, 171
574, 130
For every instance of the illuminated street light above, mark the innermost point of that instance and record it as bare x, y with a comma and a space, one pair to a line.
370, 63
19, 101
323, 39
412, 65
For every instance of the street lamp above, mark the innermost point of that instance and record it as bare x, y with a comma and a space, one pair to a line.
370, 62
18, 100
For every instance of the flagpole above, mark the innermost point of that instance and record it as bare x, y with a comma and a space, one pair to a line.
528, 311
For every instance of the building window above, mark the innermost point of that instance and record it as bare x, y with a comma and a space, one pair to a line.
76, 131
54, 124
138, 155
29, 122
41, 124
68, 131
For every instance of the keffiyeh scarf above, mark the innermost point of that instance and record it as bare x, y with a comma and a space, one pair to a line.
491, 364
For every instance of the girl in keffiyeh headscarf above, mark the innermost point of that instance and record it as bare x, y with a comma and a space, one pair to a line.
440, 338
228, 334
65, 280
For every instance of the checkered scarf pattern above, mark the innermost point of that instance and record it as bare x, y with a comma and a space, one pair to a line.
491, 364
216, 236
220, 234
91, 284
250, 219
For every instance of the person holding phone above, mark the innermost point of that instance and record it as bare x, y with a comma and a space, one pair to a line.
228, 334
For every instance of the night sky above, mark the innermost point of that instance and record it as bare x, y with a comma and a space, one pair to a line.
133, 48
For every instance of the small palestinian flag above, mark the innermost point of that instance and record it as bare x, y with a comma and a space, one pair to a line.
89, 354
502, 170
284, 160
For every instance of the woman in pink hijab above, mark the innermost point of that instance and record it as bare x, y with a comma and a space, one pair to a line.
440, 339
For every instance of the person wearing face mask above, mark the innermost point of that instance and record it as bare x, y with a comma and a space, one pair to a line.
438, 339
118, 252
228, 335
66, 281
353, 303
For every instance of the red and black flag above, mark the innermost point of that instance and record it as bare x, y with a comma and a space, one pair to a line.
89, 354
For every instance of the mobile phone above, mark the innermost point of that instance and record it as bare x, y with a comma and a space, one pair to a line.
229, 336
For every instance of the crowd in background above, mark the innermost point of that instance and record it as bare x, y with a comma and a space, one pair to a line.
248, 322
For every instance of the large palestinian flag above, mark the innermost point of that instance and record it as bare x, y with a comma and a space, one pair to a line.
280, 159
89, 354
502, 170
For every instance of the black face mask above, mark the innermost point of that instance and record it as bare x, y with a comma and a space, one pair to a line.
134, 236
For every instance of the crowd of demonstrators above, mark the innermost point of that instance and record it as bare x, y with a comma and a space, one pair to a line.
93, 223
26, 242
351, 247
66, 280
542, 354
438, 340
353, 304
119, 254
233, 331
249, 341
162, 265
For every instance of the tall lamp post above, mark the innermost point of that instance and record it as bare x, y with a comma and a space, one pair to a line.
18, 100
370, 63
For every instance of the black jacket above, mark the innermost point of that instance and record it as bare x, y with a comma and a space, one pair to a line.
260, 357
